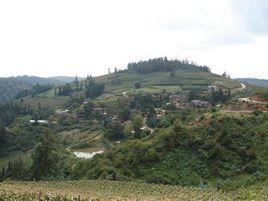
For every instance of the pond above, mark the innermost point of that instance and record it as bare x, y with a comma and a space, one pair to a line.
87, 155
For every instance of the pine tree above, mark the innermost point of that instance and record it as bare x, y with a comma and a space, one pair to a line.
45, 157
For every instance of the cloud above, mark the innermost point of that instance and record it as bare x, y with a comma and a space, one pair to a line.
86, 37
253, 14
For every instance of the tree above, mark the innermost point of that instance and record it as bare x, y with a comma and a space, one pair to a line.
124, 114
88, 109
2, 133
137, 85
114, 131
177, 126
137, 123
93, 89
165, 65
45, 156
76, 83
66, 90
195, 94
173, 73
17, 169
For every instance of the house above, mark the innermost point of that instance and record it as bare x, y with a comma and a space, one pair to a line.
160, 111
59, 111
213, 88
143, 128
124, 94
42, 121
85, 102
200, 103
38, 121
243, 100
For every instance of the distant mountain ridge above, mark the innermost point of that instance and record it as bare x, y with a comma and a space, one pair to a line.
254, 81
65, 79
11, 86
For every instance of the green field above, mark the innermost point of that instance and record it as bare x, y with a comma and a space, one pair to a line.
50, 102
183, 79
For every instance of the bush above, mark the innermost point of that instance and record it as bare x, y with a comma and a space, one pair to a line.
137, 85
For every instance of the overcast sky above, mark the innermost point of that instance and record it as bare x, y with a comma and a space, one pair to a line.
80, 37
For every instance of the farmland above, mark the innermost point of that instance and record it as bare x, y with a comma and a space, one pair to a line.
114, 190
109, 190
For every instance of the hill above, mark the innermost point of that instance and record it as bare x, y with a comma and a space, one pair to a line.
11, 86
64, 79
161, 80
254, 81
161, 73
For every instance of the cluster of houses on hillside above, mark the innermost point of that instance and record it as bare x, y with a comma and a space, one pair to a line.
179, 100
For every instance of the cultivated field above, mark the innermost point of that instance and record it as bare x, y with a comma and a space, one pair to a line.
109, 190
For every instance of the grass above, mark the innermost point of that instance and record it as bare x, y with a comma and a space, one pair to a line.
50, 102
182, 78
80, 139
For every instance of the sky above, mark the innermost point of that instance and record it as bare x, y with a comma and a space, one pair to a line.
86, 37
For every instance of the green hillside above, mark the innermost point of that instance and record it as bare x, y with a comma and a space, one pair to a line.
182, 79
10, 87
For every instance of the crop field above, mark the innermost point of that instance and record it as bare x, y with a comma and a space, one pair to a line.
107, 190
113, 190
189, 79
50, 102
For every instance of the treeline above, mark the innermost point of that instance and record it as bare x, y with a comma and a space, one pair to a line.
10, 87
92, 88
165, 65
8, 113
34, 91
11, 110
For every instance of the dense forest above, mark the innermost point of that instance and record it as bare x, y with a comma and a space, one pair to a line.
165, 65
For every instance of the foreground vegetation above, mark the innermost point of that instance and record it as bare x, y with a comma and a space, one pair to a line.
109, 190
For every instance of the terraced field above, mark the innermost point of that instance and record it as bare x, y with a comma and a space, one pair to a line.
110, 190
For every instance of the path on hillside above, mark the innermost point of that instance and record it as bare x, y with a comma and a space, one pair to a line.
247, 99
243, 86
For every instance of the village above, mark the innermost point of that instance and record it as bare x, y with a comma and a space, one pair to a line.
166, 102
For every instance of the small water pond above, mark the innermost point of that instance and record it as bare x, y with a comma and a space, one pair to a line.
87, 155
